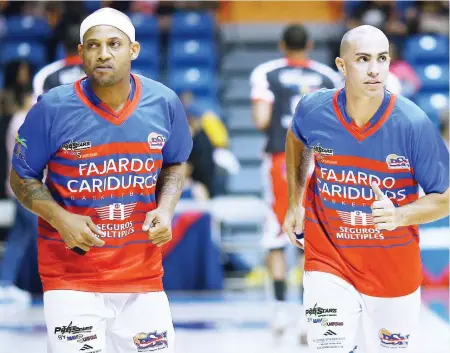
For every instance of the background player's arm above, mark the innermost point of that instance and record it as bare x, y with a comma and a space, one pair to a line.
262, 98
261, 113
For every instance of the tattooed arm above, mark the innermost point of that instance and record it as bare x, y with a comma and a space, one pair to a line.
158, 223
169, 186
78, 232
35, 196
298, 160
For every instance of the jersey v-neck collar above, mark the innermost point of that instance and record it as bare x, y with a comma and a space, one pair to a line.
373, 125
90, 99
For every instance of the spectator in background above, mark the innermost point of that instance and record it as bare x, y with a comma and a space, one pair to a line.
410, 82
193, 190
60, 16
380, 14
201, 159
428, 17
18, 76
24, 230
209, 131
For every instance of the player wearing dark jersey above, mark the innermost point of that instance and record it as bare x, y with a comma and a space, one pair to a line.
64, 71
115, 145
372, 149
277, 86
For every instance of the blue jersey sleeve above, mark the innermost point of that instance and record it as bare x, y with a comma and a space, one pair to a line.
298, 121
430, 157
33, 147
179, 143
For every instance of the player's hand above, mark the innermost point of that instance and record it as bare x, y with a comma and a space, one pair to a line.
293, 224
385, 214
158, 224
78, 231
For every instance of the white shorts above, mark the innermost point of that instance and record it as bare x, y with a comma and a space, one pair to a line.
108, 323
273, 238
342, 320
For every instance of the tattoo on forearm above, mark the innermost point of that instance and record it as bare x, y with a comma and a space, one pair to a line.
169, 183
303, 167
29, 190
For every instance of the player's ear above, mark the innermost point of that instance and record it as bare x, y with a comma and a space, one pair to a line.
80, 50
340, 65
135, 48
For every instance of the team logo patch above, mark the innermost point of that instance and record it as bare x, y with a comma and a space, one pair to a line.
389, 339
156, 141
116, 211
397, 162
152, 341
356, 218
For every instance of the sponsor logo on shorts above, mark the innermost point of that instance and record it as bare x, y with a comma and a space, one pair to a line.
392, 340
320, 312
72, 338
156, 141
397, 162
324, 322
152, 341
88, 338
70, 329
329, 342
330, 333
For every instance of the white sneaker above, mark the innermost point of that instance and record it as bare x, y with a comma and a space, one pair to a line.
11, 295
279, 323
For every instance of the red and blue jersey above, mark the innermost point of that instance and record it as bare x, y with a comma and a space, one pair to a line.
104, 165
399, 149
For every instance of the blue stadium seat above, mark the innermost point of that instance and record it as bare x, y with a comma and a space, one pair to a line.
26, 27
192, 25
149, 54
33, 52
2, 79
147, 71
192, 53
201, 82
432, 104
350, 6
60, 52
92, 5
424, 49
147, 26
434, 77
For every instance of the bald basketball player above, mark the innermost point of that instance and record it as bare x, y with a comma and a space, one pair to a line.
372, 150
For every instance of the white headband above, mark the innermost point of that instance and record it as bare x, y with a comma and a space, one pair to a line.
108, 17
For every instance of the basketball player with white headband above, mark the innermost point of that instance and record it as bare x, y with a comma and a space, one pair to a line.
115, 145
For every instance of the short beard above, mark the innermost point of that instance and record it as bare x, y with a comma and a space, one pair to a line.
104, 82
